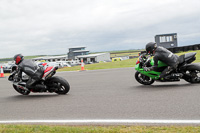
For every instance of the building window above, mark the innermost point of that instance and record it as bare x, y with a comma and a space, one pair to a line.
162, 38
166, 39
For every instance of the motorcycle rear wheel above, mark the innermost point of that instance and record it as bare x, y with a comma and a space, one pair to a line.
193, 78
143, 79
21, 91
63, 85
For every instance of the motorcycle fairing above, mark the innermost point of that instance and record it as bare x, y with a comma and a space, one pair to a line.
152, 74
187, 58
190, 67
21, 85
155, 73
47, 72
160, 63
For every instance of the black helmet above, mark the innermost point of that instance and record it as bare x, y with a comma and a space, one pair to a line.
150, 47
18, 58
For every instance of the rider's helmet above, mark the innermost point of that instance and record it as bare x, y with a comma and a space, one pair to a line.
150, 47
18, 58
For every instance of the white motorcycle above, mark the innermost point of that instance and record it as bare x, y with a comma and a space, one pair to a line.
54, 83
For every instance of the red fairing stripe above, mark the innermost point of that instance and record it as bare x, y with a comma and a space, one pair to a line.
44, 64
137, 62
48, 69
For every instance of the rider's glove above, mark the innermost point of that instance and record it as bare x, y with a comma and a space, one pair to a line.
16, 79
10, 78
146, 69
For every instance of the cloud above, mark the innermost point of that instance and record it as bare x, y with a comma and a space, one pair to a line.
50, 27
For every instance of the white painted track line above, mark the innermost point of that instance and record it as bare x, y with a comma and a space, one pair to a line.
99, 121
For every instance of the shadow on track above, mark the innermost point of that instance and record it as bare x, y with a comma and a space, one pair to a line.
30, 97
164, 86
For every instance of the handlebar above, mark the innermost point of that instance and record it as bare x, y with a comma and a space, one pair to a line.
144, 59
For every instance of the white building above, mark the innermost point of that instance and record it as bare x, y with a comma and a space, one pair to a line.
94, 58
52, 58
76, 54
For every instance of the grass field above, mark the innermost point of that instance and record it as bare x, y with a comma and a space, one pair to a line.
124, 53
97, 129
104, 65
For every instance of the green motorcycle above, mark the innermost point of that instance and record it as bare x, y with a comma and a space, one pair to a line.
185, 70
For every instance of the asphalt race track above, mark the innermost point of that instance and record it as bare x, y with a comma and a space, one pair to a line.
104, 95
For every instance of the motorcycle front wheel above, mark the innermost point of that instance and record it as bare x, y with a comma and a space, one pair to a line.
143, 79
21, 91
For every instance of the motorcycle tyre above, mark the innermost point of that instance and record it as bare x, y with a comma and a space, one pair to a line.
63, 83
142, 82
192, 80
21, 91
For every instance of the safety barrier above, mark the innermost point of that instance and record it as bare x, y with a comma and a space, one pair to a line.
185, 48
182, 48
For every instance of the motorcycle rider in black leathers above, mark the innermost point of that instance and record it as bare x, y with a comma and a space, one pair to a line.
164, 55
34, 72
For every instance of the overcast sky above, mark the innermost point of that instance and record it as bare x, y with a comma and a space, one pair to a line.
50, 27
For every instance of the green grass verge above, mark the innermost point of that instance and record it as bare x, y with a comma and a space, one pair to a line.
97, 129
105, 65
124, 54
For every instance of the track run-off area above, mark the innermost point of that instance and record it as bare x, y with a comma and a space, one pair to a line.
110, 96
